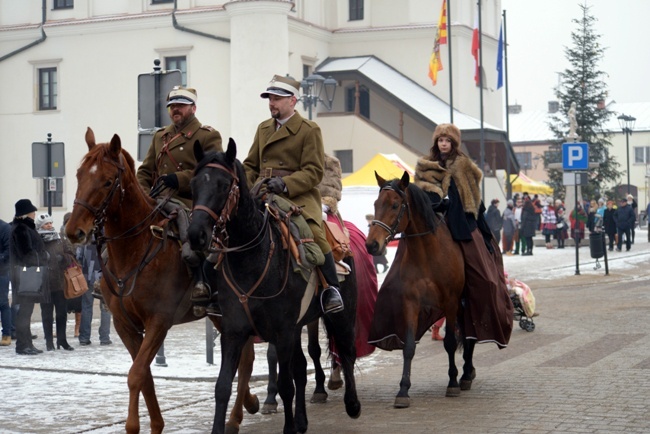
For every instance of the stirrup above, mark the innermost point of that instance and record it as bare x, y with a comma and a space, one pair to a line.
332, 307
201, 292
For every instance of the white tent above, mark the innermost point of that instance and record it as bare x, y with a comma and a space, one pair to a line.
360, 189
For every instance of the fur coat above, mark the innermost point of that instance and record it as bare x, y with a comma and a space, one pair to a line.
430, 176
330, 186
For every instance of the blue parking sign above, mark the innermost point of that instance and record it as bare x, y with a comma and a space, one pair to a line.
575, 156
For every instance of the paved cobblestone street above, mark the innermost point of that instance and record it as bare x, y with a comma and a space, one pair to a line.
585, 368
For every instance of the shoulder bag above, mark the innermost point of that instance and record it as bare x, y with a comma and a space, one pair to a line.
75, 281
338, 239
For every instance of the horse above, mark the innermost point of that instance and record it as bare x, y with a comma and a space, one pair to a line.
145, 283
258, 291
424, 282
362, 280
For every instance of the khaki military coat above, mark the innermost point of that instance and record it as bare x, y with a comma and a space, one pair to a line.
296, 147
182, 152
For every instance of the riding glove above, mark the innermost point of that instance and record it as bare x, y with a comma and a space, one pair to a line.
170, 180
276, 185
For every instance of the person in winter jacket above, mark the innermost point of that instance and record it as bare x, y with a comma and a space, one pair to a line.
549, 222
494, 219
528, 225
27, 250
578, 220
625, 221
509, 227
609, 223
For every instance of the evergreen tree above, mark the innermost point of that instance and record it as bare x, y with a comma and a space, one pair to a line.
583, 84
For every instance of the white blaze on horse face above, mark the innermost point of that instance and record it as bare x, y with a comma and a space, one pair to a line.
93, 169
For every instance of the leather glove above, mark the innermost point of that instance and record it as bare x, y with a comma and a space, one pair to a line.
170, 180
276, 185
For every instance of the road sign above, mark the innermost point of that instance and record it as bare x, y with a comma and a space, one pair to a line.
40, 160
575, 156
575, 178
153, 89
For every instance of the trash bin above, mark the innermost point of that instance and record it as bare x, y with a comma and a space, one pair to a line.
597, 244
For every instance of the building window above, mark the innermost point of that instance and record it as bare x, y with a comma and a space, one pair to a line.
157, 2
356, 10
57, 196
180, 63
63, 4
47, 89
642, 154
525, 160
345, 157
364, 101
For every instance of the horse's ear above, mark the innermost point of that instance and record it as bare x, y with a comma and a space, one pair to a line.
380, 181
115, 146
90, 138
231, 151
198, 151
404, 182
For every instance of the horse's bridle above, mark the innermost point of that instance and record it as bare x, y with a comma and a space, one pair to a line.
100, 212
392, 230
219, 233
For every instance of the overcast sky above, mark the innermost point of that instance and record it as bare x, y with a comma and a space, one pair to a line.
538, 31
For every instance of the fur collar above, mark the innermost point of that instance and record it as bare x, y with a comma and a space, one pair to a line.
432, 177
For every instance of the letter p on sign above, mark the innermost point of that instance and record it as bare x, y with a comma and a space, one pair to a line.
575, 156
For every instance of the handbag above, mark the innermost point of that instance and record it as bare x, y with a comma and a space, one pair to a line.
75, 281
32, 281
338, 240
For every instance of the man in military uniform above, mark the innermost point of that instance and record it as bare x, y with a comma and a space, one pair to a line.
170, 161
288, 149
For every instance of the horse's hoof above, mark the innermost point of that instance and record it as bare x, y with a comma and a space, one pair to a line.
319, 398
230, 429
255, 407
334, 385
353, 410
199, 311
402, 402
465, 384
270, 408
453, 392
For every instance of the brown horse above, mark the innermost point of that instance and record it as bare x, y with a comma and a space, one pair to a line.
145, 284
424, 283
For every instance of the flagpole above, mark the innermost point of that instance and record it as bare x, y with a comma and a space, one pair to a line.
505, 61
451, 77
480, 84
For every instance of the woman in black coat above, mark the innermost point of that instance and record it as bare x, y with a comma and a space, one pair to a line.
609, 224
61, 254
528, 225
27, 249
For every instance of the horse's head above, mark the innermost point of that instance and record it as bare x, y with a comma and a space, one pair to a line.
215, 193
390, 209
100, 185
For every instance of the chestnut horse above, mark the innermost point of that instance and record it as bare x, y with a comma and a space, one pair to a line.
259, 293
424, 282
145, 284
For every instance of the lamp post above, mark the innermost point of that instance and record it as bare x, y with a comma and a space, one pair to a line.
312, 88
627, 125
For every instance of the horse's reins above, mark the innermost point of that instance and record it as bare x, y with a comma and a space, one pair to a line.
99, 214
219, 227
392, 230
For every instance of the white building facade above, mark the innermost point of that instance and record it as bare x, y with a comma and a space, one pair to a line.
71, 64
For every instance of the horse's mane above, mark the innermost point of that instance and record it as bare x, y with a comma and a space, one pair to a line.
419, 203
235, 165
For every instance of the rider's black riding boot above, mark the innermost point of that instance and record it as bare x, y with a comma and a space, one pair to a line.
330, 298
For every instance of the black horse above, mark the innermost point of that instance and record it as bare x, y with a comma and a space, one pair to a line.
258, 291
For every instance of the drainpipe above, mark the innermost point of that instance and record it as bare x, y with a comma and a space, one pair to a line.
196, 32
31, 44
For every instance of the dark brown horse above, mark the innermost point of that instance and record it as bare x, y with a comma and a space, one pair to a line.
424, 283
145, 283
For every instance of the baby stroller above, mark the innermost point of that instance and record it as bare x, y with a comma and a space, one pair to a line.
523, 301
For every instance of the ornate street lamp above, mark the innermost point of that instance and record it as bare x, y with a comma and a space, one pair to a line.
627, 125
312, 88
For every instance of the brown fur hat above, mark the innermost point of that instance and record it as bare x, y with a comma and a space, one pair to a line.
330, 186
449, 130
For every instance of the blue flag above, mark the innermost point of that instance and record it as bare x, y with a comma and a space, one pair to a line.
500, 59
